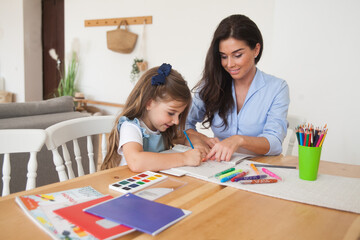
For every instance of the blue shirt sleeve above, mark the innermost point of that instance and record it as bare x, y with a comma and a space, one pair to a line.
196, 113
275, 127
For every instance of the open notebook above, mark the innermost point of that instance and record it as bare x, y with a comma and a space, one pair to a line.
206, 169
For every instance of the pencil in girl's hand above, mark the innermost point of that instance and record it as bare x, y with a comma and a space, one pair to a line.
188, 139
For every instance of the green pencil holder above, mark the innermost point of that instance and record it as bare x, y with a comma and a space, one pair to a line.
309, 159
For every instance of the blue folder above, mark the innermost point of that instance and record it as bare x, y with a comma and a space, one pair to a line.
139, 213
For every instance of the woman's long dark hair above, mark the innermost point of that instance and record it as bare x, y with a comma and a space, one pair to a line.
215, 85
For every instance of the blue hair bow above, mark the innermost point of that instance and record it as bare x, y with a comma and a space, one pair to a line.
163, 71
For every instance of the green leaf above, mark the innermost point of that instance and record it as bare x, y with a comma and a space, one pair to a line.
66, 85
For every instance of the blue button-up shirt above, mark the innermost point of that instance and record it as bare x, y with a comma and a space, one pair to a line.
263, 114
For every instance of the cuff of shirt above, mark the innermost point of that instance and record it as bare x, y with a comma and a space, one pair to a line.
275, 144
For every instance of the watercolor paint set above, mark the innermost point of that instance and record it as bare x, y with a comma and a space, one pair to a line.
137, 182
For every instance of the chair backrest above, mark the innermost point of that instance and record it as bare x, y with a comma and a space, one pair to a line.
72, 130
21, 141
290, 140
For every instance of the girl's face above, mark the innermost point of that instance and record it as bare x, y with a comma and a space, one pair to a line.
238, 59
161, 115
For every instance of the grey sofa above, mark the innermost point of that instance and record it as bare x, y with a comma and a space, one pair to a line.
39, 115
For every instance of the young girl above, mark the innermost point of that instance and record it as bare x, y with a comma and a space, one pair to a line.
153, 117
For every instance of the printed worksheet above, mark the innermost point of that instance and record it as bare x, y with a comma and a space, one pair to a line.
206, 169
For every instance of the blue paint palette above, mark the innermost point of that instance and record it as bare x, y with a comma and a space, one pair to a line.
137, 182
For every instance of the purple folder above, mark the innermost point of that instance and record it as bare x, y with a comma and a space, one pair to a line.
139, 213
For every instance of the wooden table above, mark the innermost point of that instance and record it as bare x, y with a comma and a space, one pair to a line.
218, 212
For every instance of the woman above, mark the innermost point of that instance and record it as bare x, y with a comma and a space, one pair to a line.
245, 107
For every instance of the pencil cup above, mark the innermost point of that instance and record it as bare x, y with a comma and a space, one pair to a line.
309, 159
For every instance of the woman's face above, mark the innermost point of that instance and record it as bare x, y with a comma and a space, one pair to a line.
238, 59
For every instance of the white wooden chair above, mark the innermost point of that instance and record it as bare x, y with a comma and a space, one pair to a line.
71, 130
291, 139
20, 141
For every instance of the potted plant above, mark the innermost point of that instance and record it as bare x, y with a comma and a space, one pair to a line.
139, 65
67, 83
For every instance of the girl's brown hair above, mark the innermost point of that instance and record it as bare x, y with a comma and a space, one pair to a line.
175, 88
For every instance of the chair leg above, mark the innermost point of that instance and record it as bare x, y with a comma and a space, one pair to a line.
90, 150
32, 168
6, 175
60, 168
67, 160
103, 146
78, 158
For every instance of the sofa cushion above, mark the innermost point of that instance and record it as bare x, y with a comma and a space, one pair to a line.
39, 121
54, 105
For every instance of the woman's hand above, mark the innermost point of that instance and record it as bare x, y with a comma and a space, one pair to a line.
210, 142
222, 151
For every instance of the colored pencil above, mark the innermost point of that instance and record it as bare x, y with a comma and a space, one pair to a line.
255, 169
310, 136
188, 139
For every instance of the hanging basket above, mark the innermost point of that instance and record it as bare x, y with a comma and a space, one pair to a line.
121, 40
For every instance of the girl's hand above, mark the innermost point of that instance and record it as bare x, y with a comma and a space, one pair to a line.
201, 141
192, 157
204, 144
202, 147
222, 151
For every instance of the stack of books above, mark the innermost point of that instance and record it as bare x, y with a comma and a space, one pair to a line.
84, 213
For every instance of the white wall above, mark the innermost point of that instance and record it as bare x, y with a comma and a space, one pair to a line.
180, 35
316, 49
12, 47
311, 44
20, 48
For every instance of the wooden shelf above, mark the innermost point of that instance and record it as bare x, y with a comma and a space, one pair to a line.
116, 21
82, 103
